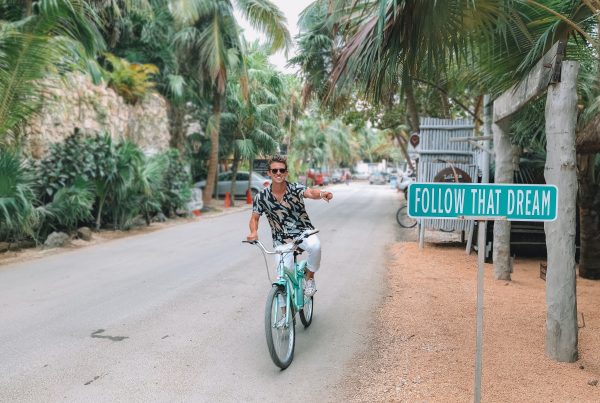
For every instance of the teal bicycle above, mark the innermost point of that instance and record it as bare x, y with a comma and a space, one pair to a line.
285, 299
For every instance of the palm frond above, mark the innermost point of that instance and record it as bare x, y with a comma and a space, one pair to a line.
266, 17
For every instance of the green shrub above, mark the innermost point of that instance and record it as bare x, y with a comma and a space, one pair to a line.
91, 162
18, 216
123, 201
150, 180
65, 162
123, 183
78, 156
70, 206
176, 188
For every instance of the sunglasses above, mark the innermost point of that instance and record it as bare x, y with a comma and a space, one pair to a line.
279, 170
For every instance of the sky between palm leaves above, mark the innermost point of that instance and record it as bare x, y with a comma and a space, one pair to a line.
292, 10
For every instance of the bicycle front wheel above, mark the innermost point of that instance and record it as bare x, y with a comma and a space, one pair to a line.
306, 313
281, 333
403, 219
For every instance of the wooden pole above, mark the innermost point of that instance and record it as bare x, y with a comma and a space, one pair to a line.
561, 297
479, 317
503, 174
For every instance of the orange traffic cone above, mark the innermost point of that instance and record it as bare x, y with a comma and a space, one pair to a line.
248, 197
227, 200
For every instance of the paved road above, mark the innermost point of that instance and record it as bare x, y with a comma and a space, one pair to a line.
177, 314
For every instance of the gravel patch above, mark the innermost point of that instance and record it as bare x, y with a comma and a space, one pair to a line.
423, 338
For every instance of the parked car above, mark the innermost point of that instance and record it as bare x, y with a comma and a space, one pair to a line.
259, 182
360, 176
317, 177
336, 177
377, 178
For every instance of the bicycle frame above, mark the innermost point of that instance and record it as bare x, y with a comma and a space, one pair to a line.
290, 279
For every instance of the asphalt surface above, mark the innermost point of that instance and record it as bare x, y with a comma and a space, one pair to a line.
177, 314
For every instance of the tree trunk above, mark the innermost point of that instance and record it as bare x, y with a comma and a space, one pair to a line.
479, 106
176, 115
214, 128
445, 104
589, 219
561, 298
503, 174
234, 169
251, 163
28, 7
411, 106
402, 145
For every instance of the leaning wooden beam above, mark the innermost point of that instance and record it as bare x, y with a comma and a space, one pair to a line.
546, 71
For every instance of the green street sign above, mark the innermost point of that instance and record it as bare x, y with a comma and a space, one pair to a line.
483, 201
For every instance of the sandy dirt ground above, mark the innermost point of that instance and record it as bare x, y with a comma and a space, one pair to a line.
423, 344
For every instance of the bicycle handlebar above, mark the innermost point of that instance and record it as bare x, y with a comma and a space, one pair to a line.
296, 241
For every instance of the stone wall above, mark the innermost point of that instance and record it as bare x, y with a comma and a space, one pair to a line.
75, 101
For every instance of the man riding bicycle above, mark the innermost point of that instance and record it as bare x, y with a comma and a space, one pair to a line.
283, 204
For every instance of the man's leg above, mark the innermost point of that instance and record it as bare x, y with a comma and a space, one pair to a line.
312, 246
288, 261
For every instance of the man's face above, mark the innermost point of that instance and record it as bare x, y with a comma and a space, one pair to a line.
278, 172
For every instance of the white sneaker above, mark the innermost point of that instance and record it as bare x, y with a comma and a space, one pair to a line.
310, 288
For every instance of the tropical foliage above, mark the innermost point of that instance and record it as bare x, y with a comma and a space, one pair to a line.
210, 44
368, 70
17, 214
54, 32
132, 81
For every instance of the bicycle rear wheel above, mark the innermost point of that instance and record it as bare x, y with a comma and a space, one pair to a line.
306, 313
281, 334
403, 219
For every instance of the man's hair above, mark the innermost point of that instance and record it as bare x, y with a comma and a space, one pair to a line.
278, 158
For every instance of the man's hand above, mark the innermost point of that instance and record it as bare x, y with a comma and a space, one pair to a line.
252, 237
326, 196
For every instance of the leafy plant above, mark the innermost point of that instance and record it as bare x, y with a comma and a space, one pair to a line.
132, 81
30, 46
176, 186
139, 193
76, 157
70, 206
149, 182
121, 201
17, 213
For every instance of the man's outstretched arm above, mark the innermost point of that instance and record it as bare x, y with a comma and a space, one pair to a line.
316, 194
253, 227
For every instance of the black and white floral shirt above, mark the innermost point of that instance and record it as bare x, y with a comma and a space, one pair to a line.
287, 218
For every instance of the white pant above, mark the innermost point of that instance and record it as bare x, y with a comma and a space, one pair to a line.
312, 246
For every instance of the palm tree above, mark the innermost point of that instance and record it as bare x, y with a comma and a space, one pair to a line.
145, 35
540, 24
55, 31
212, 47
316, 47
391, 43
